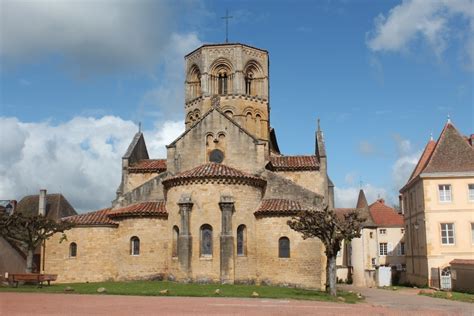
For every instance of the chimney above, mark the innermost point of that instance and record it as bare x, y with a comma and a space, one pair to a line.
42, 202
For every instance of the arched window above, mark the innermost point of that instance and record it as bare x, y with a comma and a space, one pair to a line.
206, 240
284, 247
222, 83
194, 82
258, 125
241, 240
134, 246
248, 83
175, 241
73, 250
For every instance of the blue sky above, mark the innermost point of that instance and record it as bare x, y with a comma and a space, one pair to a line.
75, 80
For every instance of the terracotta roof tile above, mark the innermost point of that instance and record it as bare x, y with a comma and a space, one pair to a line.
384, 215
293, 163
212, 170
96, 218
148, 165
278, 207
145, 209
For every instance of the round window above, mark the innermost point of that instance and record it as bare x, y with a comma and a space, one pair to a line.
216, 156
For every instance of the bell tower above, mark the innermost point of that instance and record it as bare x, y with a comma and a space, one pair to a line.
235, 73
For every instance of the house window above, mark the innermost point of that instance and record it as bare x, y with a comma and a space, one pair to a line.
383, 249
447, 233
206, 240
284, 247
134, 246
73, 250
444, 192
471, 192
374, 262
401, 249
382, 231
241, 240
371, 235
175, 241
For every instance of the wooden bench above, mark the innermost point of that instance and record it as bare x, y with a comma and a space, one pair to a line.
37, 278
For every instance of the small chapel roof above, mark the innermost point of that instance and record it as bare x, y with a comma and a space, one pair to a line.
213, 171
278, 207
293, 163
148, 165
96, 218
106, 216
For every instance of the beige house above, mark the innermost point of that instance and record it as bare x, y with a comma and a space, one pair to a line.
381, 244
216, 208
438, 203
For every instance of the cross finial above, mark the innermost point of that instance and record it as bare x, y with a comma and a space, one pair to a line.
449, 119
139, 127
431, 136
319, 124
227, 17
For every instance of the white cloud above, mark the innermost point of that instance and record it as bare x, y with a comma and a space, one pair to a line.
166, 99
90, 36
405, 163
80, 158
437, 23
347, 196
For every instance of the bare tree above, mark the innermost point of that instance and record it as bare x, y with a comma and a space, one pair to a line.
30, 231
323, 223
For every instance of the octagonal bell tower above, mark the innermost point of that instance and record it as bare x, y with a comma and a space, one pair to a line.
237, 75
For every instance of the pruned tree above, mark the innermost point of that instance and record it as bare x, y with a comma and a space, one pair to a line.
323, 223
30, 231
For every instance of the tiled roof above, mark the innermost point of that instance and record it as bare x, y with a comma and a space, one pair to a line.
462, 261
423, 159
293, 163
361, 200
452, 152
56, 206
96, 218
384, 215
213, 171
148, 165
278, 207
145, 209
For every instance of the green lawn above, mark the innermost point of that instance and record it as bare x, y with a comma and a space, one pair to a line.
454, 296
152, 288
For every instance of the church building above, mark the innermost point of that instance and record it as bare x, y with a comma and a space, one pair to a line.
216, 208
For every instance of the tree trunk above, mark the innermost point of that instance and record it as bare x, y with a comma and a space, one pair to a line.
331, 272
29, 261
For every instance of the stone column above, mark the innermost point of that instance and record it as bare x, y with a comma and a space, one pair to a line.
185, 239
227, 240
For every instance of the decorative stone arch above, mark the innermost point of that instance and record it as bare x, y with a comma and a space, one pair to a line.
229, 110
189, 120
197, 114
254, 78
193, 82
221, 76
249, 119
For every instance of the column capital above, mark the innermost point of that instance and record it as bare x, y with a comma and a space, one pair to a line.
185, 202
226, 203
